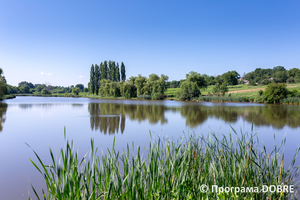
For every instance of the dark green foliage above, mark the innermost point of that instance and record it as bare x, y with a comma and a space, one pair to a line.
265, 82
92, 80
123, 72
220, 89
290, 80
293, 93
231, 77
117, 73
29, 84
45, 92
275, 92
224, 99
3, 85
140, 82
40, 88
80, 86
127, 90
190, 88
97, 79
260, 92
24, 89
75, 90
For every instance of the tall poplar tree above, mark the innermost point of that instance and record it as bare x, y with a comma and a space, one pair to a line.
92, 80
113, 71
105, 70
117, 73
123, 72
110, 69
97, 79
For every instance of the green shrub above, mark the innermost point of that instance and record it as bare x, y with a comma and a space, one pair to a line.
274, 92
45, 92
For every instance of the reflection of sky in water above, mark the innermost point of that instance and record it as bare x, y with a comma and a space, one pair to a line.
40, 122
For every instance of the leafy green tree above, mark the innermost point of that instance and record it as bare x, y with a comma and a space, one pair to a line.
75, 90
139, 83
25, 89
45, 92
117, 73
80, 86
220, 89
3, 85
103, 73
281, 76
39, 88
123, 72
97, 79
92, 80
274, 92
29, 84
231, 77
190, 88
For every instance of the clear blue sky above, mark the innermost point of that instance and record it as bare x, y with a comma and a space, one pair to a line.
57, 41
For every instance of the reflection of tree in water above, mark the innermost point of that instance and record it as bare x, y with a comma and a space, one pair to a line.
3, 108
276, 116
109, 118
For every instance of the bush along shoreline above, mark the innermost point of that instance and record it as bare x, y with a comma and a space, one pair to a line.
183, 169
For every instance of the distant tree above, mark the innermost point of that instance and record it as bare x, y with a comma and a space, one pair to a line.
80, 86
45, 92
113, 73
39, 88
29, 84
123, 72
3, 85
92, 79
290, 80
281, 76
230, 77
97, 79
75, 90
117, 73
104, 74
139, 83
278, 68
190, 88
25, 89
220, 89
260, 92
274, 92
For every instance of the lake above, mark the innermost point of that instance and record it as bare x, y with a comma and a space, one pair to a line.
40, 122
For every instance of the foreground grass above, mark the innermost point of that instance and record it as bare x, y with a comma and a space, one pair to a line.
170, 170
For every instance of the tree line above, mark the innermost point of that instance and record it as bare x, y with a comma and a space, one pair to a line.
106, 71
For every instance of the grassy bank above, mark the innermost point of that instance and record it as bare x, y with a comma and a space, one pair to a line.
171, 170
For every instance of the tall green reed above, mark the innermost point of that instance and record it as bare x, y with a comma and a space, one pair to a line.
170, 170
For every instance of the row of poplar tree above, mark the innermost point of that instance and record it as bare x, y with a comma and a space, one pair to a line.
107, 70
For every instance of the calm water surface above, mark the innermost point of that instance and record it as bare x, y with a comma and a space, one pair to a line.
40, 122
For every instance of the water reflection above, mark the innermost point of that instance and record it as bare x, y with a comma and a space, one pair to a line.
110, 117
3, 108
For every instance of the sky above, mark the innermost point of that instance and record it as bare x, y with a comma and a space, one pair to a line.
56, 42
